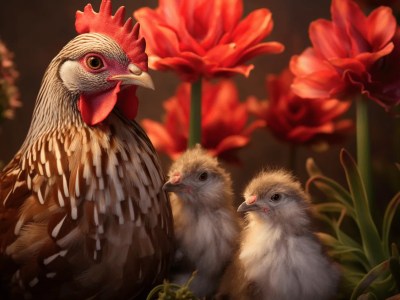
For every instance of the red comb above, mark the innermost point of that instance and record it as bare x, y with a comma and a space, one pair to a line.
125, 34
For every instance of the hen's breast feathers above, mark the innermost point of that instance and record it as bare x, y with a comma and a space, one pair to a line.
65, 199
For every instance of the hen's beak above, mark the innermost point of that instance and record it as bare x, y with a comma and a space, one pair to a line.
135, 76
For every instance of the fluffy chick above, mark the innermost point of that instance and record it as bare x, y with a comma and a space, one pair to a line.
279, 257
205, 221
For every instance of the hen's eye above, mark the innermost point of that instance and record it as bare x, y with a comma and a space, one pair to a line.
203, 176
275, 197
94, 62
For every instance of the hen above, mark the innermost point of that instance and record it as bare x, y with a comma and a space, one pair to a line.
82, 211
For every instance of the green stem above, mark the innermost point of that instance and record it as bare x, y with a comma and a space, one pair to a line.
195, 115
363, 145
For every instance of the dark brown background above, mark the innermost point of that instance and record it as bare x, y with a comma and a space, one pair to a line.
36, 30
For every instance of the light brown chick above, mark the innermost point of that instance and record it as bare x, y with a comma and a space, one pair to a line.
205, 222
279, 257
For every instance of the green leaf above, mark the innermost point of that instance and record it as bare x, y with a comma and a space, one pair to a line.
346, 239
320, 211
333, 190
329, 208
323, 217
338, 250
369, 234
369, 278
387, 221
327, 239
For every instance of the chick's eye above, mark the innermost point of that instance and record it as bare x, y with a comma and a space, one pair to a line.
275, 197
94, 62
203, 176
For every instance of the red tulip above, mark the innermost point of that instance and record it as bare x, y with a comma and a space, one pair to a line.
224, 120
205, 38
297, 120
351, 54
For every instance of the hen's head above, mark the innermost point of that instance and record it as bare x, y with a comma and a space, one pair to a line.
104, 64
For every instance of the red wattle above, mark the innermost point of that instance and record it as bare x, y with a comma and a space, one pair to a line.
95, 108
128, 102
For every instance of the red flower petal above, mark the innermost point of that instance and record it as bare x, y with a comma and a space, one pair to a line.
158, 136
318, 85
295, 119
228, 72
209, 30
325, 41
252, 29
307, 63
352, 53
223, 124
264, 48
351, 23
231, 142
232, 11
382, 25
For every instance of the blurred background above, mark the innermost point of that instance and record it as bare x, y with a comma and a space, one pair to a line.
36, 31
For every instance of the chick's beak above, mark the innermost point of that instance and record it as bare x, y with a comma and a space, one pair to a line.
244, 207
134, 76
173, 187
174, 184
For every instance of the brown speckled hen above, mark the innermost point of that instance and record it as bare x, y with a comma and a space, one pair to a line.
82, 210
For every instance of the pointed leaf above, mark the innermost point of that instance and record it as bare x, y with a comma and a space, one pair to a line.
369, 234
338, 249
333, 190
323, 217
369, 278
387, 221
347, 240
352, 244
329, 207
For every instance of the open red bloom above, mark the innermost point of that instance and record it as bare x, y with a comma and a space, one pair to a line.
297, 120
224, 120
353, 53
205, 38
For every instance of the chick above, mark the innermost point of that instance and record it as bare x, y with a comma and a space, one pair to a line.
205, 221
279, 257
